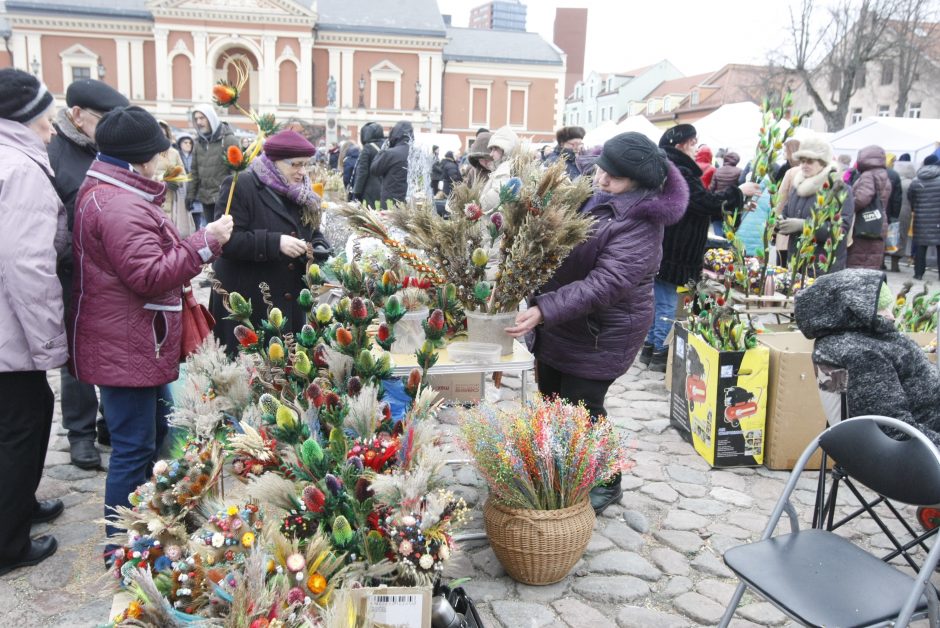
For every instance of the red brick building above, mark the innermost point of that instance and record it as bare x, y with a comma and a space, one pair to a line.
388, 61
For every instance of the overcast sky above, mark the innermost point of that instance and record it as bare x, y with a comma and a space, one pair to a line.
696, 36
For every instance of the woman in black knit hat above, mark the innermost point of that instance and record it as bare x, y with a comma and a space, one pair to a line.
32, 335
125, 322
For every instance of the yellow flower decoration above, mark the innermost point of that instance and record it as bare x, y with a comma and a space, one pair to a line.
248, 539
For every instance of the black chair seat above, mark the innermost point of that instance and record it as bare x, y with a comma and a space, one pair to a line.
823, 579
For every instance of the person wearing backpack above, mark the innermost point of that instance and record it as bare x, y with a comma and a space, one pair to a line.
872, 192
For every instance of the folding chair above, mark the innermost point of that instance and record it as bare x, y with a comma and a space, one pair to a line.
820, 578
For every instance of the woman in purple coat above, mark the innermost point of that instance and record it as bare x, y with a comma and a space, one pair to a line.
591, 318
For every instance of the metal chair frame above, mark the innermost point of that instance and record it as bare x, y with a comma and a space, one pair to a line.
921, 584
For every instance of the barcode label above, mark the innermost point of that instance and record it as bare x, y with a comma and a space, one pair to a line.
394, 599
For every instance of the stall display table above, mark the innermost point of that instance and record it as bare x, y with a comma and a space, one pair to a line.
519, 361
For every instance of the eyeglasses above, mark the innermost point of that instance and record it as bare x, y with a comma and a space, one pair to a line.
806, 160
92, 113
299, 165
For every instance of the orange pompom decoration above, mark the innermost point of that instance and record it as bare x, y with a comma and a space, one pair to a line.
318, 189
224, 94
235, 156
316, 583
343, 337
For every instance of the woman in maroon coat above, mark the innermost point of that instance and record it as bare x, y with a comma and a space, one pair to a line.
131, 264
591, 318
872, 180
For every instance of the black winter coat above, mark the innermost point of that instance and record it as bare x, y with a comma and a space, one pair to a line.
888, 373
391, 165
253, 254
366, 186
924, 194
349, 166
684, 242
451, 172
70, 161
894, 201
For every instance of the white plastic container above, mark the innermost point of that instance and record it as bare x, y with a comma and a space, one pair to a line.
474, 352
409, 333
486, 328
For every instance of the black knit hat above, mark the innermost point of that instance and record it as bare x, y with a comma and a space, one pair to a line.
568, 133
24, 97
635, 156
96, 95
677, 134
131, 134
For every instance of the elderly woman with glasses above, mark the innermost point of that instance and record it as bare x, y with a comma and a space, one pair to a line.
277, 219
797, 198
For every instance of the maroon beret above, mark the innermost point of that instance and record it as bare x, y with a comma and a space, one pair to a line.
287, 145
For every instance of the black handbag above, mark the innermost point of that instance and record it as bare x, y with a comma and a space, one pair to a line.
869, 223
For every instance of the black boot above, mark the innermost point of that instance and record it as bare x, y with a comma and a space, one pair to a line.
606, 494
895, 261
646, 353
658, 361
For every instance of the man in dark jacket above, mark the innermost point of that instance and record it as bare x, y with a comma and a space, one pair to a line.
391, 165
451, 172
350, 159
367, 187
71, 152
213, 138
888, 374
924, 194
570, 143
684, 242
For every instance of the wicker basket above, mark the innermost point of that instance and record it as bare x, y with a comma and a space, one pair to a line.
538, 546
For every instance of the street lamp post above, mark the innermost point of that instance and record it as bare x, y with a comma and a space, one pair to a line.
417, 95
362, 91
101, 70
35, 65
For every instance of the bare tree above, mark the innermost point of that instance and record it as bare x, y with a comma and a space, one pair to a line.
913, 29
830, 57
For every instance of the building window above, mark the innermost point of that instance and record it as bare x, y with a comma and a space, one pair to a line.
884, 111
518, 104
694, 97
650, 108
856, 115
591, 95
603, 114
80, 73
887, 72
590, 118
913, 110
860, 78
479, 106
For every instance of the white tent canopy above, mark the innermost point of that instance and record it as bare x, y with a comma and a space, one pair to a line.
733, 126
917, 136
638, 124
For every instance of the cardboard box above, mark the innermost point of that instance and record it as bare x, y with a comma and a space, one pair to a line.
795, 412
720, 397
458, 388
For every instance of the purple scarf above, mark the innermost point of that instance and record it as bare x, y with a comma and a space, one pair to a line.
302, 193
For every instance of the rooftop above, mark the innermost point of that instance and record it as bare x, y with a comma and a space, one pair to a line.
135, 9
407, 17
499, 46
680, 85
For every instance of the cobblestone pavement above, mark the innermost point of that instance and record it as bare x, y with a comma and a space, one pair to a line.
654, 560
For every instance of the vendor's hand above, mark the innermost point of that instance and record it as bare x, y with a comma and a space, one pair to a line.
171, 186
221, 229
750, 188
790, 226
292, 247
525, 322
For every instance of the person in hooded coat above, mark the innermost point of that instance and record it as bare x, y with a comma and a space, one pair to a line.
590, 318
848, 314
503, 141
727, 175
570, 144
924, 195
872, 179
451, 173
208, 168
391, 165
349, 161
367, 187
906, 171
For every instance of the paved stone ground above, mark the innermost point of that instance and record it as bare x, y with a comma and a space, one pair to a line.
654, 560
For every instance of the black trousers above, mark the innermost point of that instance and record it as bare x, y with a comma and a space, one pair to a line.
25, 423
574, 388
920, 259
